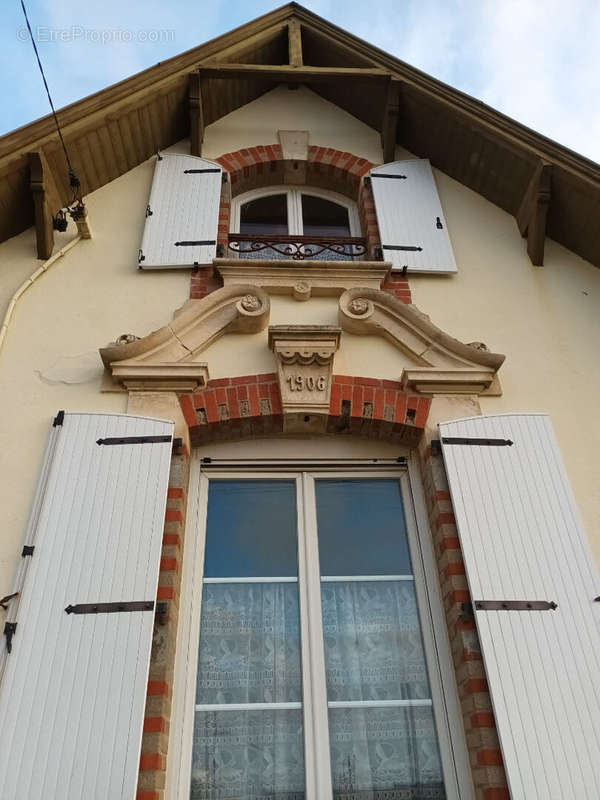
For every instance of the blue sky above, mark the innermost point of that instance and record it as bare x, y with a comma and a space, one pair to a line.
535, 60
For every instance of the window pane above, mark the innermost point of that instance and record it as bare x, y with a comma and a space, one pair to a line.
361, 528
249, 644
251, 529
265, 215
255, 755
373, 644
385, 754
323, 218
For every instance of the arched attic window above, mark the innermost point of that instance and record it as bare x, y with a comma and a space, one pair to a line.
295, 222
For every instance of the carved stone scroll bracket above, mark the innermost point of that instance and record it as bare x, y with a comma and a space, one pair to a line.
441, 364
167, 359
304, 356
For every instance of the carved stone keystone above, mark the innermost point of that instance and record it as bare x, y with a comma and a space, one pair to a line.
304, 356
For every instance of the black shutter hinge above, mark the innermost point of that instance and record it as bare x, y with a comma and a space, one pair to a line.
9, 632
388, 175
6, 598
135, 440
195, 243
141, 256
162, 611
27, 550
509, 605
148, 210
406, 247
58, 419
110, 608
158, 156
200, 171
438, 224
466, 440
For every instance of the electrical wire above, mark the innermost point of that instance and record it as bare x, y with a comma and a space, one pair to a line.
73, 179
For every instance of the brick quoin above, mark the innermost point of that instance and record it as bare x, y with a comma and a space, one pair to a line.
327, 168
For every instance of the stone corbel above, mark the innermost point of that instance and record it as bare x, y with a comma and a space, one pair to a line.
442, 364
304, 355
167, 359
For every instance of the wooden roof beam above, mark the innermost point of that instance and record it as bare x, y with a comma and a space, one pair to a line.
196, 111
533, 212
295, 43
287, 74
389, 125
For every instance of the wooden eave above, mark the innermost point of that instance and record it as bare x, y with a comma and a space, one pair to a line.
112, 131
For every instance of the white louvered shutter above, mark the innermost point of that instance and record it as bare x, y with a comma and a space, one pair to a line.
411, 222
73, 691
182, 213
522, 540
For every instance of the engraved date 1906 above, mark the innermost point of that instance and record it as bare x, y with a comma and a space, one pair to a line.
298, 383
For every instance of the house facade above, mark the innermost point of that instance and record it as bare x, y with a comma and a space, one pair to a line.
298, 433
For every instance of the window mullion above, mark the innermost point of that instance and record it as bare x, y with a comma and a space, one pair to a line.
295, 226
316, 726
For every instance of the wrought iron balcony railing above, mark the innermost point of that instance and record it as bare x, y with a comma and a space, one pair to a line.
298, 248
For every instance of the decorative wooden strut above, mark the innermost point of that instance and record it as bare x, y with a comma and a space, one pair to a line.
196, 114
295, 43
389, 124
533, 212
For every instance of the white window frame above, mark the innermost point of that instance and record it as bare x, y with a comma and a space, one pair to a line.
294, 206
448, 718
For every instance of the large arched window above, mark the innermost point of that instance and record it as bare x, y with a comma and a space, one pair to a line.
295, 222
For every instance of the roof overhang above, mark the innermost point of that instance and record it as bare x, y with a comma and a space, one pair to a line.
548, 188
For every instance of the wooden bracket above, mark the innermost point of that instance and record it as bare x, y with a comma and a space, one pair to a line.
533, 211
46, 201
295, 43
196, 114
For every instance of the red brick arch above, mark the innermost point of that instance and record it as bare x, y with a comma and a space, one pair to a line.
250, 406
326, 168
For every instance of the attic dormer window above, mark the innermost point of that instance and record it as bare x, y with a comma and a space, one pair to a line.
298, 223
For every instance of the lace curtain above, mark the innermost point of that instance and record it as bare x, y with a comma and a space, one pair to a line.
249, 644
373, 653
249, 653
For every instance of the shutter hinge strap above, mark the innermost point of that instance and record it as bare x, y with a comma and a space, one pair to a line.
6, 598
474, 441
199, 171
411, 248
135, 440
58, 419
197, 243
509, 605
388, 175
9, 632
110, 608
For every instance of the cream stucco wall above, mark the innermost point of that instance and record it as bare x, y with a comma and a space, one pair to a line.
542, 318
